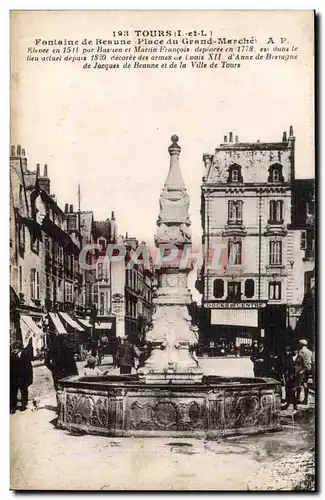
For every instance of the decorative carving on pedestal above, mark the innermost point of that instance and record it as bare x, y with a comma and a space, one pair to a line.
86, 411
172, 333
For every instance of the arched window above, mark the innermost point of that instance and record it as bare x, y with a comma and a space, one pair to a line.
234, 173
218, 288
249, 288
275, 173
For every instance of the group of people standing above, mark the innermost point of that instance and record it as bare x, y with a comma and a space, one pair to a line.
292, 369
60, 360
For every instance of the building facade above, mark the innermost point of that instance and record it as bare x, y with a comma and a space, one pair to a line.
247, 196
121, 292
44, 264
302, 296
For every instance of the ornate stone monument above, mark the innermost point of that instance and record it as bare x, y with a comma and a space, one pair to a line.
169, 396
172, 333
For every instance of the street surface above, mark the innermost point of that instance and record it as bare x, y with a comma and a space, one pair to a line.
43, 457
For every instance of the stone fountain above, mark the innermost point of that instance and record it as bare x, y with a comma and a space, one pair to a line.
170, 395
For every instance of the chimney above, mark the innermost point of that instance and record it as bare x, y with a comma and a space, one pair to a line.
230, 137
12, 151
37, 169
113, 228
44, 182
236, 138
19, 150
207, 160
291, 131
284, 137
66, 208
71, 209
224, 138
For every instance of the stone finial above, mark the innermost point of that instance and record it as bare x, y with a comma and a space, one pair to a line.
45, 171
225, 139
22, 152
230, 137
37, 169
291, 131
284, 136
12, 151
71, 209
236, 138
19, 150
174, 148
66, 208
112, 216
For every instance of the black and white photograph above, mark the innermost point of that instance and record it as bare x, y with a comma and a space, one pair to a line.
162, 250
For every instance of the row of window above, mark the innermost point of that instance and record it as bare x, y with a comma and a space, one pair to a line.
131, 309
131, 279
35, 286
234, 290
101, 298
102, 271
235, 211
235, 173
235, 257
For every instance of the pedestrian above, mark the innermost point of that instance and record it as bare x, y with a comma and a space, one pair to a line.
90, 369
60, 359
275, 367
99, 352
115, 350
307, 356
126, 357
294, 369
258, 360
21, 374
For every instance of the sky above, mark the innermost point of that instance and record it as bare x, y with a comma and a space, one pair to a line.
109, 130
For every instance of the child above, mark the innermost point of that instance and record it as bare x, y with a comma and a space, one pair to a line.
90, 369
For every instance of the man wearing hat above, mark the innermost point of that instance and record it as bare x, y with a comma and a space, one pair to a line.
306, 355
21, 374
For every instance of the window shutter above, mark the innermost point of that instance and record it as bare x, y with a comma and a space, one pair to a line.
32, 283
303, 240
37, 286
218, 288
249, 288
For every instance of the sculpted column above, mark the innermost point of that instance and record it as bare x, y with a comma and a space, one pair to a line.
172, 334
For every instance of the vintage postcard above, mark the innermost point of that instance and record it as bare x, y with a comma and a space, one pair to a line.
162, 250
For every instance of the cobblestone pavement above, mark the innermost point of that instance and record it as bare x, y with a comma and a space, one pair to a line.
43, 457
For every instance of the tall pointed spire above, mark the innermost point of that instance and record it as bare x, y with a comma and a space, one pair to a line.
174, 200
174, 181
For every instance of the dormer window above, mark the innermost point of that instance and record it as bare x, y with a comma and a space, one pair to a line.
275, 173
102, 243
235, 173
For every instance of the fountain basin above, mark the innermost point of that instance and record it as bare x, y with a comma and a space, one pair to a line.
123, 406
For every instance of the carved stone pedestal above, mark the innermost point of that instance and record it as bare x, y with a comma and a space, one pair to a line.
123, 406
172, 335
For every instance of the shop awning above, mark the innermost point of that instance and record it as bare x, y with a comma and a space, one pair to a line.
84, 322
70, 321
57, 323
29, 329
235, 317
103, 326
